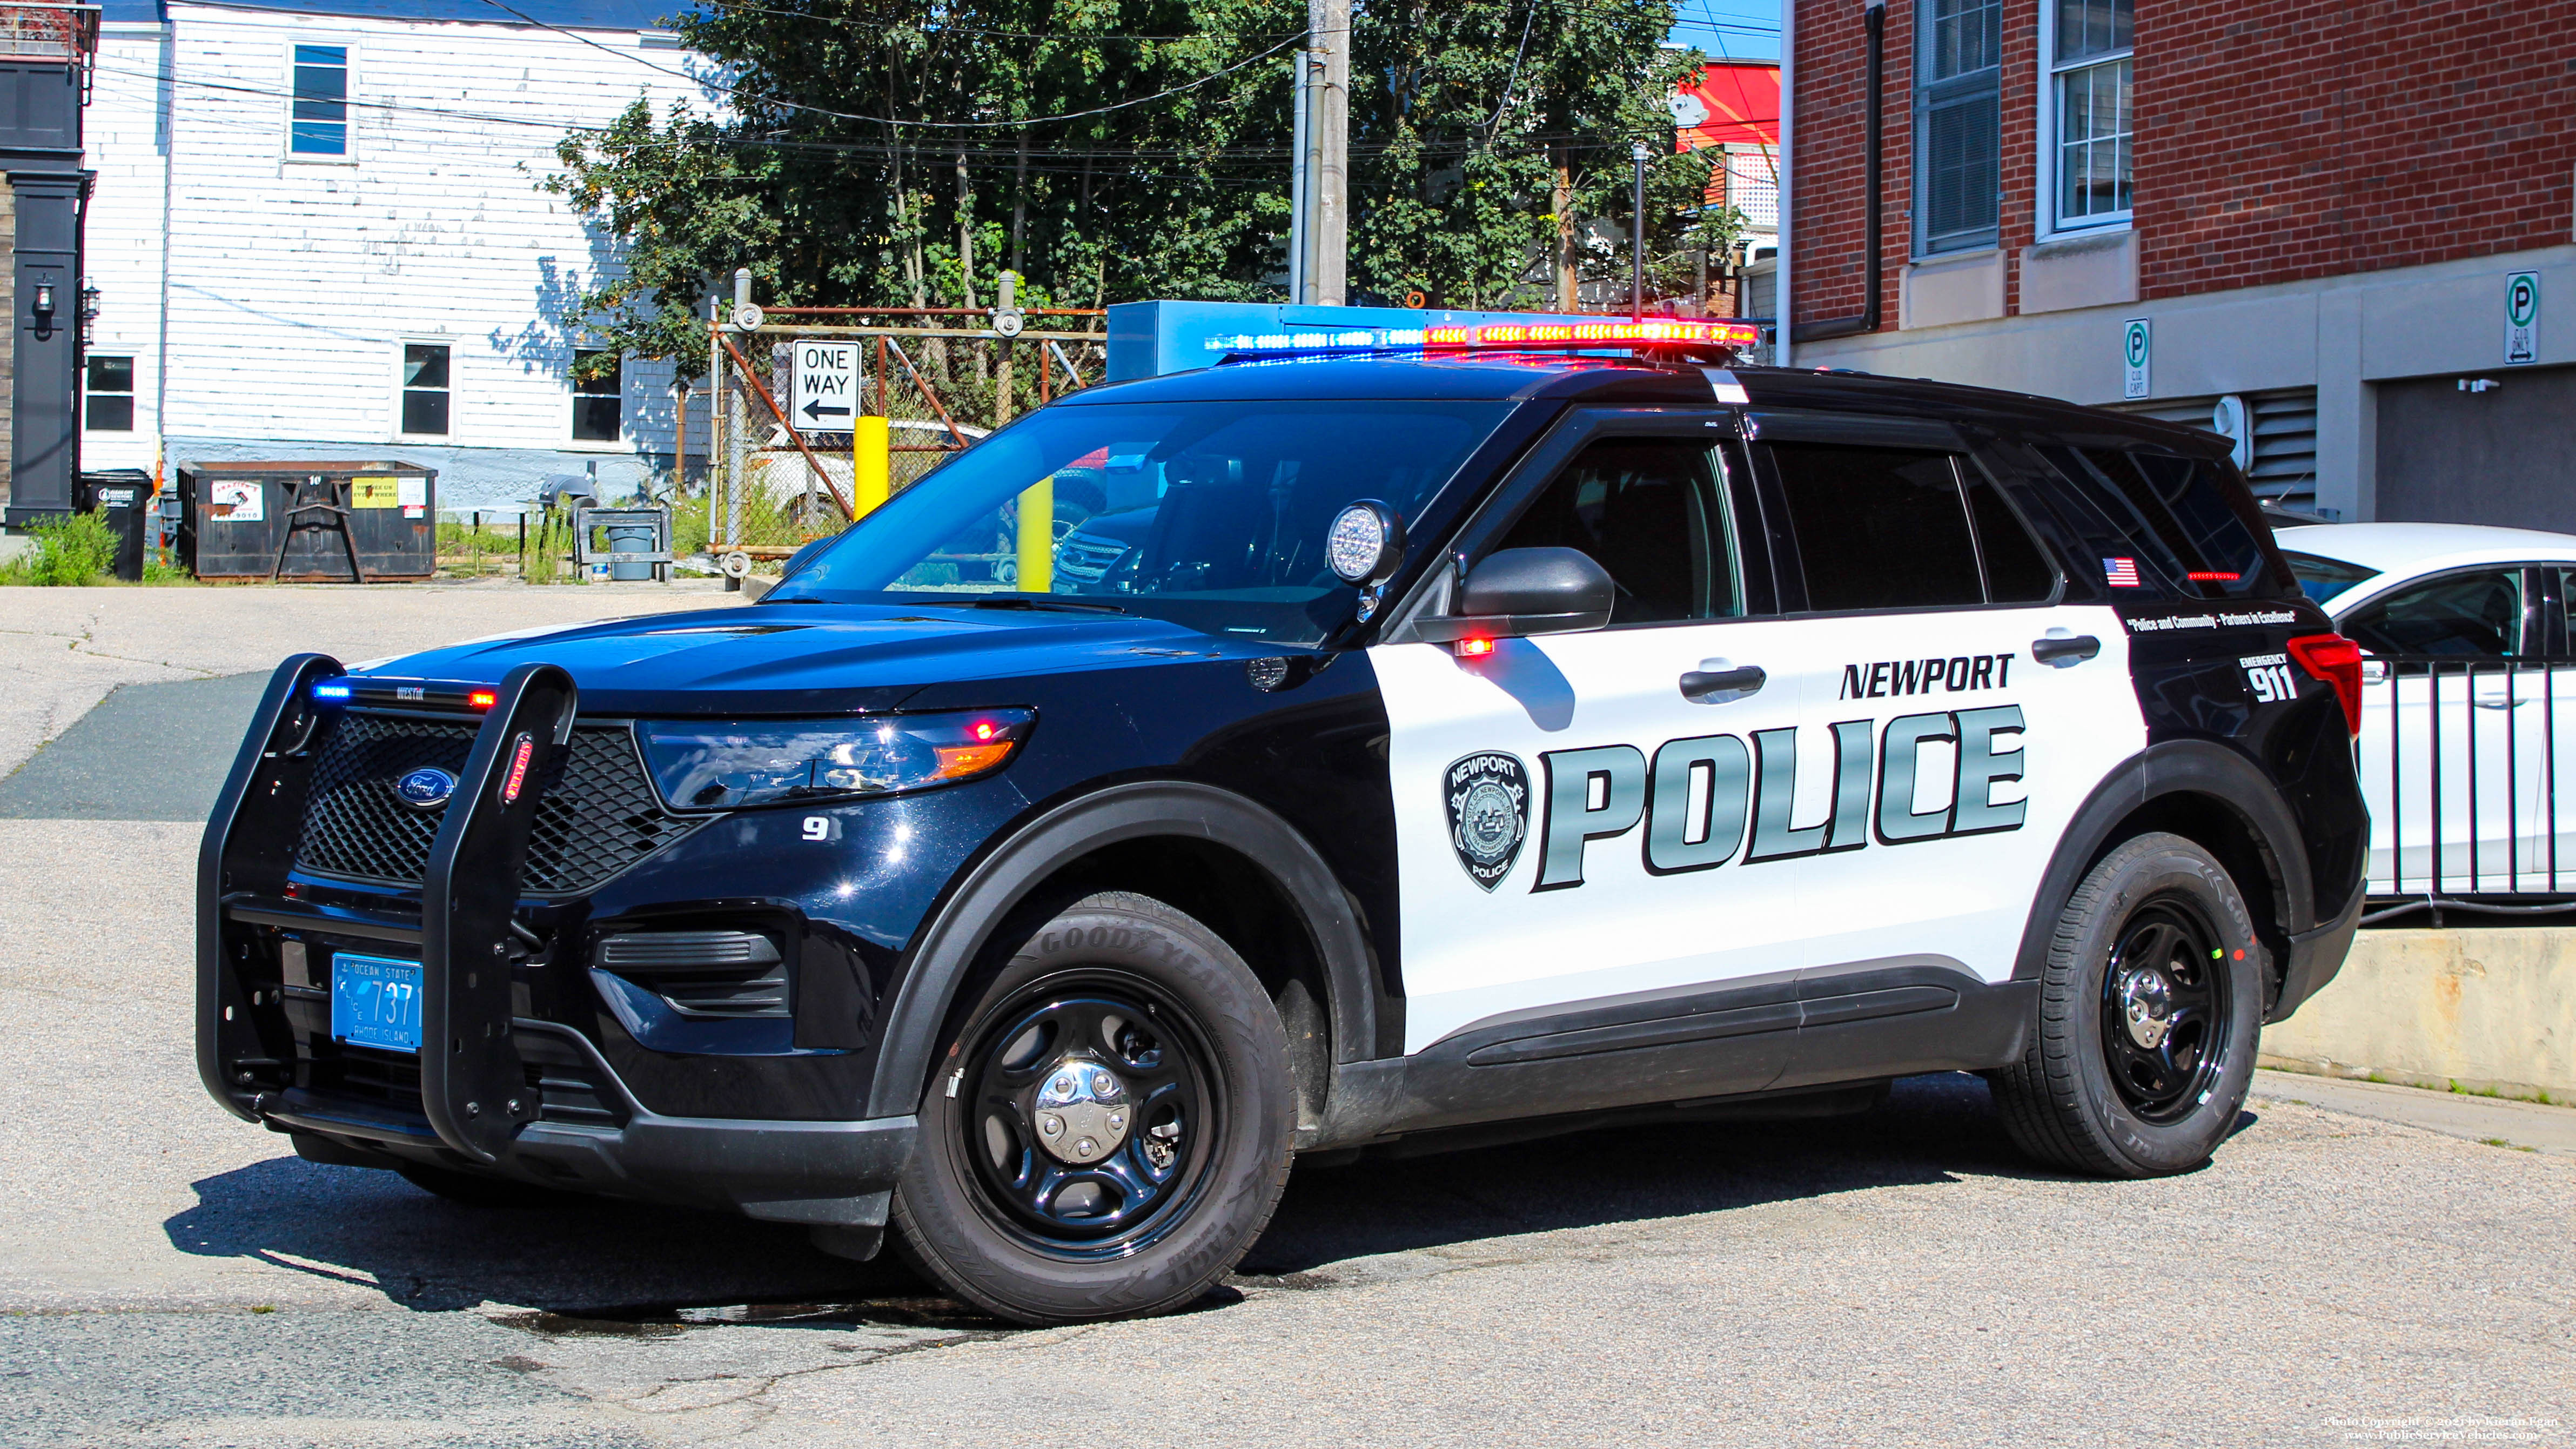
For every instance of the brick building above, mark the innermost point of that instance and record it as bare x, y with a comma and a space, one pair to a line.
2331, 218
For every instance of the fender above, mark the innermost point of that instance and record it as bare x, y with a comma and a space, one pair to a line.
2173, 767
957, 934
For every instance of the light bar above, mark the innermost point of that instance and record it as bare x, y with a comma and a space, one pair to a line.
1522, 336
1545, 336
330, 690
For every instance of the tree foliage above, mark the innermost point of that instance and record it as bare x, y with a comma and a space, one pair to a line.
901, 153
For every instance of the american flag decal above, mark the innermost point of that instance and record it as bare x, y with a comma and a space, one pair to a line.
2122, 572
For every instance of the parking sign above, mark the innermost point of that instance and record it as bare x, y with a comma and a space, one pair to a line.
2521, 318
2133, 352
826, 394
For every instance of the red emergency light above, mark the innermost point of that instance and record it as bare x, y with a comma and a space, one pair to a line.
1533, 336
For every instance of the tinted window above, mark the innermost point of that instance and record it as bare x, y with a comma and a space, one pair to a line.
1645, 510
2175, 515
2323, 578
2016, 571
2459, 616
1878, 528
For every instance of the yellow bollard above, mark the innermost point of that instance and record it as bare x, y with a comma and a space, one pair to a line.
871, 466
1037, 537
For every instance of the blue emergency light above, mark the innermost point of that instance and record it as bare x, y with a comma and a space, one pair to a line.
330, 689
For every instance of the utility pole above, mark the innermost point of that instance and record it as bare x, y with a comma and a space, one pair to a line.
1328, 129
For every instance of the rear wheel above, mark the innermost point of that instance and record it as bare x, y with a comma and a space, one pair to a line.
2149, 1013
1110, 1123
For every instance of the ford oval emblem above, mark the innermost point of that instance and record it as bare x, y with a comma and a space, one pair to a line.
426, 788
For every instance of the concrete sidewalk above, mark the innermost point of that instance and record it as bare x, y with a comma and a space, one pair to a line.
2495, 1121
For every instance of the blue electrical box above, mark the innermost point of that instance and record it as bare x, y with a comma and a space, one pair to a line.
1148, 339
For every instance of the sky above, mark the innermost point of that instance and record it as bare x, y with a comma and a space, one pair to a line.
1738, 29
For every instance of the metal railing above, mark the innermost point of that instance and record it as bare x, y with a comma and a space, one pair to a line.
2459, 762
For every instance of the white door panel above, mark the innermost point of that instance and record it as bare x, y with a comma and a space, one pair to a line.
1603, 704
1999, 764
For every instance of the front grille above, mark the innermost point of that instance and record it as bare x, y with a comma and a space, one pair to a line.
1087, 556
596, 813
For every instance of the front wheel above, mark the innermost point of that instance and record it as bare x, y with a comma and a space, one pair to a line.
2149, 1012
1110, 1123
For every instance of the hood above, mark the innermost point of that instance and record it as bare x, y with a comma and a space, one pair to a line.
831, 658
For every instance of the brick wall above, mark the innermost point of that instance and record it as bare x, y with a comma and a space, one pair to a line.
2275, 142
2284, 141
1827, 230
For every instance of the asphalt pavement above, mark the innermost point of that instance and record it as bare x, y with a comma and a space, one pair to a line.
172, 1276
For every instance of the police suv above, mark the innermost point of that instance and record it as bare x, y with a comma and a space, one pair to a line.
1481, 737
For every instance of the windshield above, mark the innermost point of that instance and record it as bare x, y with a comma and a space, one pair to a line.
2323, 578
1207, 514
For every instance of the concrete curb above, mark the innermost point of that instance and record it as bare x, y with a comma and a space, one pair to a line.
2490, 1011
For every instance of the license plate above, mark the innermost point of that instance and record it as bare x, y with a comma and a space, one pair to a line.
375, 1002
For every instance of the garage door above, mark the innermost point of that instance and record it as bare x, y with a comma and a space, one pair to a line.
2506, 455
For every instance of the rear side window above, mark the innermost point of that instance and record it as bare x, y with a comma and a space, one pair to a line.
2176, 516
1890, 528
2458, 616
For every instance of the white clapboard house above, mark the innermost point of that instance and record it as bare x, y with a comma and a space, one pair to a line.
318, 232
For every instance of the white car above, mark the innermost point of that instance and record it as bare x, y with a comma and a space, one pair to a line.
2468, 698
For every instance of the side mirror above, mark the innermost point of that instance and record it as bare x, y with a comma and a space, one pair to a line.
1524, 591
805, 555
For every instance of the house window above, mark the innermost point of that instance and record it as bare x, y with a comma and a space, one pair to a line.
2089, 90
111, 395
1753, 186
598, 401
1958, 125
319, 122
424, 389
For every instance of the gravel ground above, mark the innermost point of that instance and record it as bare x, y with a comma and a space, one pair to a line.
171, 1276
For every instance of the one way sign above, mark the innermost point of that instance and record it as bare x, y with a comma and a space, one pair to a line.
826, 395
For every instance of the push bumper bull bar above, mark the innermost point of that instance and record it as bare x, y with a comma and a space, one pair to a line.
475, 1102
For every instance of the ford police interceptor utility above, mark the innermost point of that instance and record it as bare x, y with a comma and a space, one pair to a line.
1458, 738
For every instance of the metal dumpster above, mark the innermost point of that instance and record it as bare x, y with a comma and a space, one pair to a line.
306, 520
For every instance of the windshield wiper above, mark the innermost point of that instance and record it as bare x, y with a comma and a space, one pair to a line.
1023, 602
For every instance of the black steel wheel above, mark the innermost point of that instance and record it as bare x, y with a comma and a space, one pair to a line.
2143, 1036
1109, 1126
1089, 1113
2164, 1008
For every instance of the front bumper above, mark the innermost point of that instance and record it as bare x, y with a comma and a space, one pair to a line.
821, 1174
496, 1092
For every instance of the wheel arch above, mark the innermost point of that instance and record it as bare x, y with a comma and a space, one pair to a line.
2209, 795
1236, 866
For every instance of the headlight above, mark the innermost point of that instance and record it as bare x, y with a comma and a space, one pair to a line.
722, 764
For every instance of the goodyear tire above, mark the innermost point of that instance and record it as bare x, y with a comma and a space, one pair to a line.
1109, 1125
2148, 1017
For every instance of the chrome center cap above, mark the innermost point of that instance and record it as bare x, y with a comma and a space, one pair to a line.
1082, 1112
2146, 1000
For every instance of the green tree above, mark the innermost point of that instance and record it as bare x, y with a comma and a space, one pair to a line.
1110, 150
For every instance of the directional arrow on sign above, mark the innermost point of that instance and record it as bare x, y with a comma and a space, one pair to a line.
826, 377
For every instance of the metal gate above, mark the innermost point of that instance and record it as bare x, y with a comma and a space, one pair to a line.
935, 379
2459, 765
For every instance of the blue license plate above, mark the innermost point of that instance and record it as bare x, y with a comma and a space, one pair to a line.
375, 1002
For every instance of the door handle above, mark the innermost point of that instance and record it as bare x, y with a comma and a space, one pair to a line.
2498, 701
2059, 652
1703, 686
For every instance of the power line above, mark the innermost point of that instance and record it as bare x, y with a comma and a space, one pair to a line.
887, 121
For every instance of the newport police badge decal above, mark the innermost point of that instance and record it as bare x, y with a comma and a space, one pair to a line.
1488, 799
